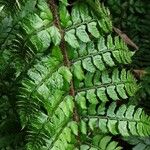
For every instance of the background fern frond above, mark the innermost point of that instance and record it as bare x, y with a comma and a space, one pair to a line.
139, 143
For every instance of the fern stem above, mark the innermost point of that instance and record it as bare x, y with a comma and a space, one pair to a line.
113, 118
102, 85
80, 24
53, 7
95, 54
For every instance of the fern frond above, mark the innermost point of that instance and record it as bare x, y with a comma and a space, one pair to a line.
73, 69
17, 43
100, 142
123, 120
91, 57
100, 87
59, 117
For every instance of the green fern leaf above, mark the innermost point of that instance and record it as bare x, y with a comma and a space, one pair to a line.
70, 70
126, 121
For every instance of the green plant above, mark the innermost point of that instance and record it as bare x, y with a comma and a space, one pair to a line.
67, 77
132, 17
